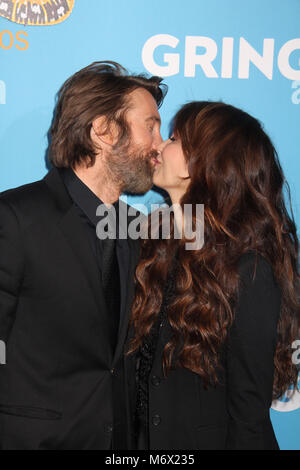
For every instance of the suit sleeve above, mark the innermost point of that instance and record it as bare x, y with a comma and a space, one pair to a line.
11, 268
250, 355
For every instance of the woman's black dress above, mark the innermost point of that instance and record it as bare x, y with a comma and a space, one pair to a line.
145, 361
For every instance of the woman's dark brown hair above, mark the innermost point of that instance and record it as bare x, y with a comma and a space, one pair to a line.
234, 171
100, 89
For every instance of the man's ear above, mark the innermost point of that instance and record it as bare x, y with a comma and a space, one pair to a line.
102, 133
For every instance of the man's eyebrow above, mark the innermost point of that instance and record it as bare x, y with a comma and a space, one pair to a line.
154, 118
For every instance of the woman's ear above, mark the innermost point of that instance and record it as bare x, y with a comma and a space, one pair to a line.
102, 133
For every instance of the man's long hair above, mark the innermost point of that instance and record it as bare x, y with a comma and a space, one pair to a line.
100, 89
234, 171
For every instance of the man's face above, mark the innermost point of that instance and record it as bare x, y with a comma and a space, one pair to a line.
133, 164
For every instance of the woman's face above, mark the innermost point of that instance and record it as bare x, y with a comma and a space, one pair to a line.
171, 167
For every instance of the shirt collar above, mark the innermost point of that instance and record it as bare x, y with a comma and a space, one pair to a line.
82, 196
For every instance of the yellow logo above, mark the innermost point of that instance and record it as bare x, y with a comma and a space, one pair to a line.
36, 12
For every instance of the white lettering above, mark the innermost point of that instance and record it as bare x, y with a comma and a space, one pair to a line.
172, 60
193, 57
227, 57
248, 54
2, 92
283, 59
204, 60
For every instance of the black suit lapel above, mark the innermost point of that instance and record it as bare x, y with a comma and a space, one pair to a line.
75, 234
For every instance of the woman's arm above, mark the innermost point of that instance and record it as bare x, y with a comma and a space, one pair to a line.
250, 355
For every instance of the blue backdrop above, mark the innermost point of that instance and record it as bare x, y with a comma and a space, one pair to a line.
245, 53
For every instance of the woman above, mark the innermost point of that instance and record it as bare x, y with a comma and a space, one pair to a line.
213, 327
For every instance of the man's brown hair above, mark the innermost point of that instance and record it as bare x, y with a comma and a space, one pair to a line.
100, 89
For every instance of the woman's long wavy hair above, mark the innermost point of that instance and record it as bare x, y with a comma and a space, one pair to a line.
234, 171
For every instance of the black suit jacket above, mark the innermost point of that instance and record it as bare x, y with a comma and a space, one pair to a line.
60, 376
235, 413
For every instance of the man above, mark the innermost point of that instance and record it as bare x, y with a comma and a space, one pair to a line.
65, 294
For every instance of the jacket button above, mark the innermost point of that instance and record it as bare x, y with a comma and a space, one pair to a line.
113, 371
155, 380
156, 420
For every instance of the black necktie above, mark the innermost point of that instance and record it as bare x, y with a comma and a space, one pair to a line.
111, 286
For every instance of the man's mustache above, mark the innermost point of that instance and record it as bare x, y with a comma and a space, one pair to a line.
152, 154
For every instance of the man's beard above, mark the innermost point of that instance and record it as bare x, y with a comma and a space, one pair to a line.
131, 168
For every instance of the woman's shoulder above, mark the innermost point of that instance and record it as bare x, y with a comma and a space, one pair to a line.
259, 295
255, 268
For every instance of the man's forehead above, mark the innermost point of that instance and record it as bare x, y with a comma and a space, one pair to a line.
141, 100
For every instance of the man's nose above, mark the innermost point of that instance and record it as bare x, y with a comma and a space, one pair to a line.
157, 142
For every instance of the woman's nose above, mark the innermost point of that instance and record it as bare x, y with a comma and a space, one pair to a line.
162, 145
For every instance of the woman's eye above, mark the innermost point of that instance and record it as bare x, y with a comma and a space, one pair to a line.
172, 138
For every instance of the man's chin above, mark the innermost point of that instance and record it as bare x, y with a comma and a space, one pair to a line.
137, 190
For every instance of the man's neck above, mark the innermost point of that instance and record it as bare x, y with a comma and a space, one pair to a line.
98, 181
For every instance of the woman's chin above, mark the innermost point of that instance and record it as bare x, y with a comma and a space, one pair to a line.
157, 182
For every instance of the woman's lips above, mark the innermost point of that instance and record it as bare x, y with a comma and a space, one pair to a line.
155, 161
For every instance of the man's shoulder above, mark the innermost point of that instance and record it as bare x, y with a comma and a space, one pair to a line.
29, 199
19, 193
31, 193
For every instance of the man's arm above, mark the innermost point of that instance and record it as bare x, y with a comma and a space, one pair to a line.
11, 267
